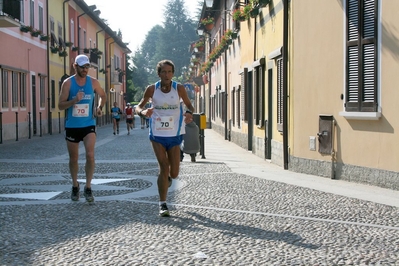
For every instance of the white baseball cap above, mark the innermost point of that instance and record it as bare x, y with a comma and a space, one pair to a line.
82, 60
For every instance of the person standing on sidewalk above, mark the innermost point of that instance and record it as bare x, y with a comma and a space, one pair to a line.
116, 112
129, 118
166, 125
77, 98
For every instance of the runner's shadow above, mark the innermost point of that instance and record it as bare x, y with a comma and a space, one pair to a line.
238, 230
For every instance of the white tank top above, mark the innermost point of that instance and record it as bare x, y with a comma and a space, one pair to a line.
167, 118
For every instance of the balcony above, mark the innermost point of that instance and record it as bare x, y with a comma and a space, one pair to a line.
7, 21
10, 13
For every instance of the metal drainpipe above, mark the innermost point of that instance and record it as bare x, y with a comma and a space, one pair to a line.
48, 75
97, 47
285, 85
63, 27
209, 86
226, 137
110, 77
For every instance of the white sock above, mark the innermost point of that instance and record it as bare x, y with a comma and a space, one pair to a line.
161, 202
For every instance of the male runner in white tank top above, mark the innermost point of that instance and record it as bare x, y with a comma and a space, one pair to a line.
167, 125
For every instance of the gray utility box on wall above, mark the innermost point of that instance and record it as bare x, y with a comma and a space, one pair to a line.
325, 135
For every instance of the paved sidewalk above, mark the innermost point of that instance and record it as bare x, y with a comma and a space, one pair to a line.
244, 162
231, 208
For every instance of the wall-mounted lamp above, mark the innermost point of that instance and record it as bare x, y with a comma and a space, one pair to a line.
112, 90
209, 3
200, 32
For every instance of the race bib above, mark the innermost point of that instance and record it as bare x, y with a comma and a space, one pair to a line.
80, 110
115, 114
128, 116
164, 123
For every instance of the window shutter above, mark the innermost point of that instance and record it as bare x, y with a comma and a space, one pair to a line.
239, 97
244, 89
280, 94
256, 94
361, 91
261, 97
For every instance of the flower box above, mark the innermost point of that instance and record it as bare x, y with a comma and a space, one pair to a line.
63, 53
44, 37
24, 28
35, 33
54, 49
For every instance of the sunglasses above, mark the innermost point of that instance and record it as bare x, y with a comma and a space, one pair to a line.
85, 66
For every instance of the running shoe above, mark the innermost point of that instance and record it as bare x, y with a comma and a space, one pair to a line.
75, 193
88, 194
163, 210
170, 181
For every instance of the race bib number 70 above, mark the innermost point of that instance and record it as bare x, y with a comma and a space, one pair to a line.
80, 110
164, 123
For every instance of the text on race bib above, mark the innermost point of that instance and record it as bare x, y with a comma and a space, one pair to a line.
164, 123
80, 110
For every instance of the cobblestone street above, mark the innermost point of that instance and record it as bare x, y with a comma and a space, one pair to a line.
222, 213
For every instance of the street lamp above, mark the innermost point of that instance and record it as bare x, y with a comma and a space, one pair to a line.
209, 3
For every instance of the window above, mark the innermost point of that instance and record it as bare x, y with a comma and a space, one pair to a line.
53, 39
72, 31
14, 89
4, 91
22, 12
60, 39
32, 13
239, 106
233, 106
22, 90
244, 96
361, 56
42, 92
259, 82
41, 18
53, 94
280, 109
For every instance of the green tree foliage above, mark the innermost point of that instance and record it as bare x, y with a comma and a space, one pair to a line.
179, 32
169, 41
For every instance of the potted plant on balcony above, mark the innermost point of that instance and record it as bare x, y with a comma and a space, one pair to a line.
44, 37
62, 53
208, 23
195, 61
34, 32
54, 49
199, 45
24, 28
239, 15
86, 50
75, 48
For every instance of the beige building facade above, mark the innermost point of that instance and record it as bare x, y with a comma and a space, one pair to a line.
309, 85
